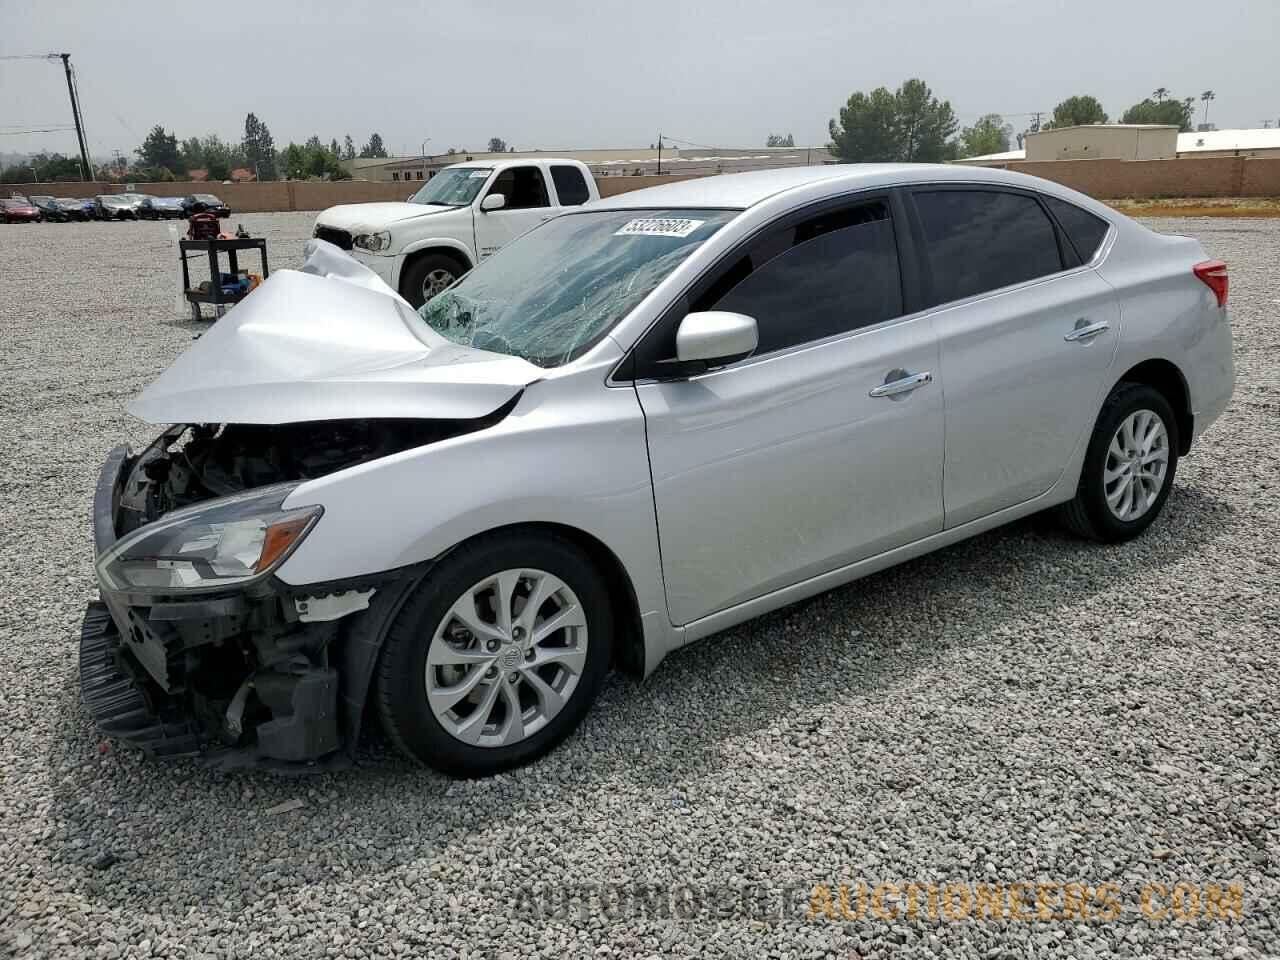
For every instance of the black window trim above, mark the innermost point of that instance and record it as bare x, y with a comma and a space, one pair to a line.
624, 372
971, 186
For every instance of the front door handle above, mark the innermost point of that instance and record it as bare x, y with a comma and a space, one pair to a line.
1086, 331
903, 382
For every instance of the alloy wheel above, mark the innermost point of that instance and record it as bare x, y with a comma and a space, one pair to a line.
436, 281
506, 657
1136, 466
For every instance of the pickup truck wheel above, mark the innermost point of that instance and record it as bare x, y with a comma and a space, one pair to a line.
497, 656
427, 276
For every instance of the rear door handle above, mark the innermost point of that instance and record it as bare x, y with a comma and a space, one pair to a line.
902, 384
1085, 331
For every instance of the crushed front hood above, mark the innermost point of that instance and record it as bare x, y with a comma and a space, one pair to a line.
372, 217
330, 342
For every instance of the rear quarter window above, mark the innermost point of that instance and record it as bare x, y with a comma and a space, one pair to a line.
571, 188
1084, 230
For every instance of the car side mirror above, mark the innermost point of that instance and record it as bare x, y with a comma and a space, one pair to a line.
716, 337
494, 201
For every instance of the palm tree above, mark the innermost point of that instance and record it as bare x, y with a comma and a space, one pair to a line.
1206, 97
1161, 93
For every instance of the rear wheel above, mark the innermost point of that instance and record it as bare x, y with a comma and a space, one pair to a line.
426, 276
1129, 466
497, 656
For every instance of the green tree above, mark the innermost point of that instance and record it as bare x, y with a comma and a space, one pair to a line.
374, 147
192, 153
259, 148
989, 135
1177, 113
220, 157
497, 145
910, 125
1077, 111
348, 148
160, 149
294, 162
778, 140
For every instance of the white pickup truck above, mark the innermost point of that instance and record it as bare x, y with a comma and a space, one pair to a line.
460, 216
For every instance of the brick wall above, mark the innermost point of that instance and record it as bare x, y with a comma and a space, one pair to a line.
1103, 179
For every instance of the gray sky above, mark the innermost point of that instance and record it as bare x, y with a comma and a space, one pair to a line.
557, 73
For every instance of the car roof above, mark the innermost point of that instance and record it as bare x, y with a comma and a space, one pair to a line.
738, 191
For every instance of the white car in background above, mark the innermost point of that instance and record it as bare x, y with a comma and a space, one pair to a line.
638, 424
462, 215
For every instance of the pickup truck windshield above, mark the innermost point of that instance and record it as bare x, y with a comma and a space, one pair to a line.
549, 295
454, 187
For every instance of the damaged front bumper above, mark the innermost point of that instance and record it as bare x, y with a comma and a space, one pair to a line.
268, 675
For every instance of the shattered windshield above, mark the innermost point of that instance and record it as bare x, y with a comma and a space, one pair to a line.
453, 187
552, 293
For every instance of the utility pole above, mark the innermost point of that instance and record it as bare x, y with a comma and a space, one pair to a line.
659, 153
86, 171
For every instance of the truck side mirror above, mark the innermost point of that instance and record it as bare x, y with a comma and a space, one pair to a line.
494, 201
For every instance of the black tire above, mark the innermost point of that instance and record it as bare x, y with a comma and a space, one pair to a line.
1088, 514
401, 686
416, 273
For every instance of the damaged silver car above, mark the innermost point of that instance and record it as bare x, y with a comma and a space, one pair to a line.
640, 423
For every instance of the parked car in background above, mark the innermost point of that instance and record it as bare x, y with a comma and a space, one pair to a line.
49, 209
76, 208
161, 208
211, 204
116, 206
638, 424
19, 211
462, 215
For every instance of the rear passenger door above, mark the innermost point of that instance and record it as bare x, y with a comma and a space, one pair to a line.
1026, 334
822, 448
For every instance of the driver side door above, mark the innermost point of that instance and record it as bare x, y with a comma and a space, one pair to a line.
815, 452
528, 203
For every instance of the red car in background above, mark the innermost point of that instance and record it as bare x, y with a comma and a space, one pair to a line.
18, 211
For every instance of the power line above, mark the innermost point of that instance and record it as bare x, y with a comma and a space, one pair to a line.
20, 133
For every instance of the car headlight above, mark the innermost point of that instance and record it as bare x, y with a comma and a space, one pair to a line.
226, 542
373, 242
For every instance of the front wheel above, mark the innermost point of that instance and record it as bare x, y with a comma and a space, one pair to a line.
497, 656
1128, 468
427, 276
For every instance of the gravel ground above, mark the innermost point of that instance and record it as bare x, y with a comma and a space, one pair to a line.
1023, 707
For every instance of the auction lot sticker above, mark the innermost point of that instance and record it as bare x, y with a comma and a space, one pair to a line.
659, 227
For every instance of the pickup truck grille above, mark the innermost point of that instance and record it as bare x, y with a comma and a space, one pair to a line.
339, 238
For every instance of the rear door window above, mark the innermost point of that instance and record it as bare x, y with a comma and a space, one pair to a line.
981, 240
571, 187
1083, 229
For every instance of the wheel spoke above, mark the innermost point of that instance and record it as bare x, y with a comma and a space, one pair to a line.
1158, 455
548, 696
569, 616
466, 614
504, 598
1114, 496
445, 654
572, 658
1110, 474
1116, 451
543, 588
471, 729
446, 698
513, 729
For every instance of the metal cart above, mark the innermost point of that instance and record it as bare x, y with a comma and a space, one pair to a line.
212, 248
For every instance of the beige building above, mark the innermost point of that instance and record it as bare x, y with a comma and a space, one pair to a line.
1104, 141
605, 163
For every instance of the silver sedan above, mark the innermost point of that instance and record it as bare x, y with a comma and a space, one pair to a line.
641, 423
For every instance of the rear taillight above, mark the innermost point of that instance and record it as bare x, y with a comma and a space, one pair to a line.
1213, 273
